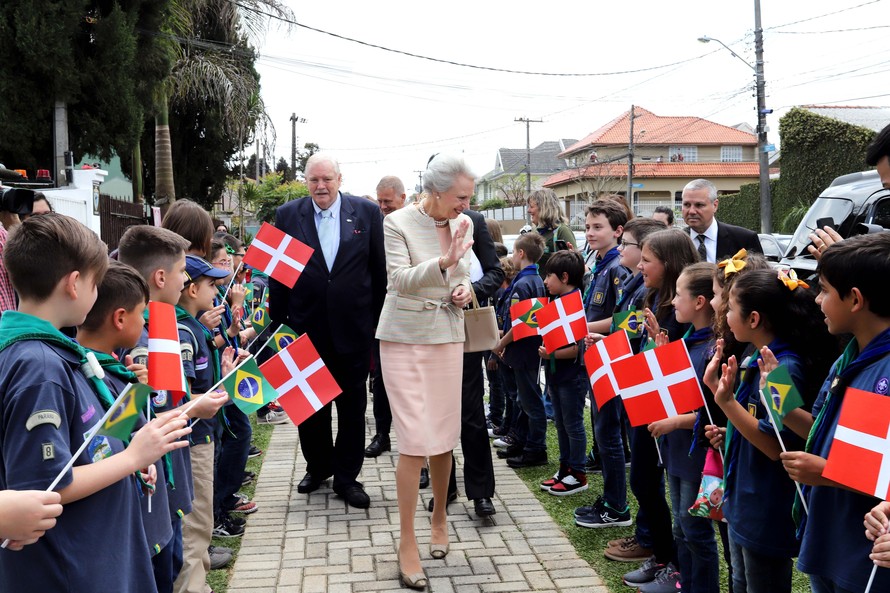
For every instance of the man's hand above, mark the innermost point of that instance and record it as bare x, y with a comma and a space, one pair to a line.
822, 239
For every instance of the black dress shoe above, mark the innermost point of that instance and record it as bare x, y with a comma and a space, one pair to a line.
528, 460
424, 478
379, 444
484, 507
511, 451
452, 496
356, 496
309, 483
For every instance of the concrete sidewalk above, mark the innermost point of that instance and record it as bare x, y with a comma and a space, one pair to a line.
315, 543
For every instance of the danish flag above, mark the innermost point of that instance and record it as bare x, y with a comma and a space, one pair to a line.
562, 322
524, 320
302, 380
164, 352
860, 453
657, 384
599, 358
278, 255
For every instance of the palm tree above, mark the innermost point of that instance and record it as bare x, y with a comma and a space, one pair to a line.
218, 72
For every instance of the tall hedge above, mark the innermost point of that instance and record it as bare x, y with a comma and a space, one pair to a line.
815, 150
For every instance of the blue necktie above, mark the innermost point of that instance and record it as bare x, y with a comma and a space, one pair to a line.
327, 234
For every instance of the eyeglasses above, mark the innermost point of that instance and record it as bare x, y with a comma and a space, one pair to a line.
626, 243
225, 263
240, 254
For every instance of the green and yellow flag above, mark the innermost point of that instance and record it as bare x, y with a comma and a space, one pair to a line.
781, 394
630, 321
125, 412
247, 387
283, 338
260, 317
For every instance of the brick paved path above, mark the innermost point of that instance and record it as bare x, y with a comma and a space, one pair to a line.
314, 543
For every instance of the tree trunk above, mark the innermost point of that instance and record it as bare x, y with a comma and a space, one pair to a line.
165, 192
138, 186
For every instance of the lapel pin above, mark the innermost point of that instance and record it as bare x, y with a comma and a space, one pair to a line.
348, 220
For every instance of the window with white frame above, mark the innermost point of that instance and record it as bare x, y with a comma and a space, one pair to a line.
730, 154
684, 154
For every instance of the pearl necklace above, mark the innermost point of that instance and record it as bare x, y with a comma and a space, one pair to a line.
438, 223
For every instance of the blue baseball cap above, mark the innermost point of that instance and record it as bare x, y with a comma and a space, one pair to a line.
196, 267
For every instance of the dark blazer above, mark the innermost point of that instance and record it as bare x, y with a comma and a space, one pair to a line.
338, 309
731, 238
483, 247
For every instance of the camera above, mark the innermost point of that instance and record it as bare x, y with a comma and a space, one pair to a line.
16, 200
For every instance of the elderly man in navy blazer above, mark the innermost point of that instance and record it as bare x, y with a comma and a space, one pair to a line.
713, 239
337, 302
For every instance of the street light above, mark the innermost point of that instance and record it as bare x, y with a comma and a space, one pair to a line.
766, 206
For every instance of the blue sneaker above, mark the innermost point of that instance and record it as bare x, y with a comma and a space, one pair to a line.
603, 515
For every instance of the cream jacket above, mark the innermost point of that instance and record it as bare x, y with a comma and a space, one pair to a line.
418, 308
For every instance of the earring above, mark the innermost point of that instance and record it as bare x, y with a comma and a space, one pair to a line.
438, 196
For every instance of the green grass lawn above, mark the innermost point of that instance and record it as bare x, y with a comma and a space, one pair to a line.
590, 543
219, 579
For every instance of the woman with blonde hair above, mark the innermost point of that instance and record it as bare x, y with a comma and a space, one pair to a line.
548, 218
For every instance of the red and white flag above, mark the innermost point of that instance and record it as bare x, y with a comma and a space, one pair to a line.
303, 382
562, 322
860, 452
523, 317
277, 254
164, 352
599, 358
659, 383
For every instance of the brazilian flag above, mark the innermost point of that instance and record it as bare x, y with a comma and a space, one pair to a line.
283, 338
781, 394
248, 388
125, 412
528, 317
260, 317
630, 321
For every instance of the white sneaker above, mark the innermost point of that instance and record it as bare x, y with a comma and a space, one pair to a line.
273, 417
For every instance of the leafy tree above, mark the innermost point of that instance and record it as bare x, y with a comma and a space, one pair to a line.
271, 193
309, 149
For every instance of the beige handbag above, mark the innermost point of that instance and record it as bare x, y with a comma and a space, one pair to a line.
480, 327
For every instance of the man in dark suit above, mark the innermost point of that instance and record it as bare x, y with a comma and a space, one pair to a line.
487, 277
337, 302
713, 239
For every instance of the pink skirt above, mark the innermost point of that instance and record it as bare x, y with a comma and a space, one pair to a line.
423, 384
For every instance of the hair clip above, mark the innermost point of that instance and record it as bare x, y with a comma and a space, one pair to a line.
735, 264
790, 280
230, 250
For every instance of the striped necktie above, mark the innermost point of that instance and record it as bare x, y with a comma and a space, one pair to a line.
702, 251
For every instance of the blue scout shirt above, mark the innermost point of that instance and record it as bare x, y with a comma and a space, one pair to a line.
683, 456
602, 294
203, 377
181, 491
157, 523
833, 544
527, 285
46, 407
759, 494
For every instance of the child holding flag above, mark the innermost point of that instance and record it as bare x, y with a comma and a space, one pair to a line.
51, 397
853, 298
567, 383
777, 315
115, 323
159, 256
682, 450
530, 446
664, 255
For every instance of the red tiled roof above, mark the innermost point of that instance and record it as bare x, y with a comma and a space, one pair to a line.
656, 170
661, 131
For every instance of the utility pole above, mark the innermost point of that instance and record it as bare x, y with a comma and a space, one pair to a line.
766, 204
293, 143
528, 151
630, 162
256, 159
419, 181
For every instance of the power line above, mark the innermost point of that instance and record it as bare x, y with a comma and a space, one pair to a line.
461, 64
832, 31
813, 18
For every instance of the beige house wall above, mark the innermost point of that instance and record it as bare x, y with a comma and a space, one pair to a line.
643, 152
654, 188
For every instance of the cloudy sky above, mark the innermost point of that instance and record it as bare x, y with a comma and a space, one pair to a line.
383, 113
